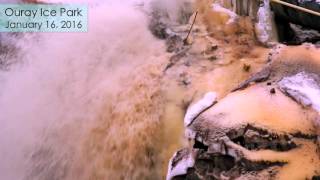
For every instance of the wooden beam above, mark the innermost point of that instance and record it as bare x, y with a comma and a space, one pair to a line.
296, 7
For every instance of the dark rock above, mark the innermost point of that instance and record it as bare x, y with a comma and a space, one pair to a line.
158, 29
272, 91
246, 67
253, 138
212, 58
214, 47
221, 160
9, 51
261, 76
199, 145
211, 49
158, 25
316, 178
220, 166
191, 175
174, 43
298, 17
288, 20
302, 34
258, 166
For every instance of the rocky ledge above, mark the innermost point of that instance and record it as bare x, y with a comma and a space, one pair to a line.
266, 128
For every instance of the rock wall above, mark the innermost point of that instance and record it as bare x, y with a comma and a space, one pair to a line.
267, 128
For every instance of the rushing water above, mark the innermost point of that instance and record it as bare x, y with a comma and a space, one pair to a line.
87, 105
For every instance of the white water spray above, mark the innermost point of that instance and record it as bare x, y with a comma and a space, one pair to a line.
52, 98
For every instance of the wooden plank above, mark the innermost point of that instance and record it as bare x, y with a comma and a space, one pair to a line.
296, 7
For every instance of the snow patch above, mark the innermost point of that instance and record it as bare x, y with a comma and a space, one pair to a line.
181, 166
194, 110
304, 88
218, 8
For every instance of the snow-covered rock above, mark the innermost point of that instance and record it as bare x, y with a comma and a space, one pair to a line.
194, 110
179, 163
304, 88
